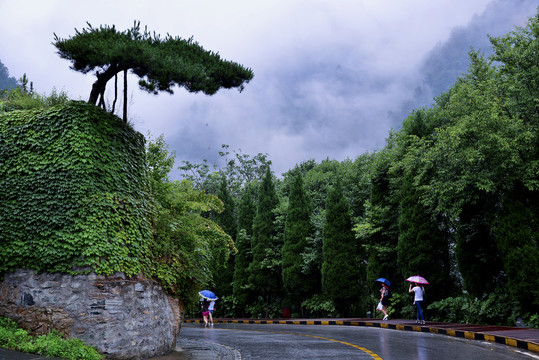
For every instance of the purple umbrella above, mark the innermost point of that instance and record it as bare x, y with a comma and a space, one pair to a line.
418, 280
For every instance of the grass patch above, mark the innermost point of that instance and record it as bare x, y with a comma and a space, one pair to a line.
52, 344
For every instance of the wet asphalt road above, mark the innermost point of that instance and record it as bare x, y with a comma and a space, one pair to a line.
251, 341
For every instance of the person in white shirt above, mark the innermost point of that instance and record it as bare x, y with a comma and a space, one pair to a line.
418, 291
210, 309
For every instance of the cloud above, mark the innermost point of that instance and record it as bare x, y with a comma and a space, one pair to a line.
330, 79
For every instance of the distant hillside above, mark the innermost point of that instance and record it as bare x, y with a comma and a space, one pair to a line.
448, 60
6, 82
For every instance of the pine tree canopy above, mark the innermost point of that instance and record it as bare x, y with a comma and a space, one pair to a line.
159, 63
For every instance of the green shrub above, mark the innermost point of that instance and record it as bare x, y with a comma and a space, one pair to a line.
318, 305
401, 306
498, 308
24, 99
52, 344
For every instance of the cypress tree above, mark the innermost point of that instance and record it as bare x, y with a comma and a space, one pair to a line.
247, 209
223, 275
297, 230
226, 219
340, 271
382, 260
265, 269
244, 256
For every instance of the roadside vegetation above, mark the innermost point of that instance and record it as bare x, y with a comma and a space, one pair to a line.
52, 344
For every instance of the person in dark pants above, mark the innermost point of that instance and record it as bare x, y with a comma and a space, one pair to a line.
418, 291
211, 308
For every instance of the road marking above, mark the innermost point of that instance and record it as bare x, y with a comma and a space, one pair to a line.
372, 354
525, 353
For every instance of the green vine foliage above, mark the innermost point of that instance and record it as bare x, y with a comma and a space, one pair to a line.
74, 192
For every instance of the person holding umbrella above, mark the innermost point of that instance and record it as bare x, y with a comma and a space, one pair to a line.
204, 305
418, 291
211, 308
207, 296
384, 296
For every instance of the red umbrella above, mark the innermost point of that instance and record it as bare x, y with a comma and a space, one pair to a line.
418, 280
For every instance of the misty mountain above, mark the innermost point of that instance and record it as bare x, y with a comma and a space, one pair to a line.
448, 60
6, 82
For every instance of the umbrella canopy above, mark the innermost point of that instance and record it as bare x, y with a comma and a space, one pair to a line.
207, 294
383, 281
418, 280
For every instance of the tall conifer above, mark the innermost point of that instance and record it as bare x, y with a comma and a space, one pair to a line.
244, 256
340, 270
298, 228
264, 271
223, 275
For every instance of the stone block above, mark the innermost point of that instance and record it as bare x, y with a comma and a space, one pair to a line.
123, 318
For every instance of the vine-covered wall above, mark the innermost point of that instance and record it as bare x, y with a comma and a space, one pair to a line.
74, 192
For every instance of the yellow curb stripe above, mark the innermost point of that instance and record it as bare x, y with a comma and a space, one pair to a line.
511, 342
533, 347
469, 335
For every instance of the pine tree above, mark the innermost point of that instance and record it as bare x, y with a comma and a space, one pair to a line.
298, 228
340, 270
265, 274
159, 63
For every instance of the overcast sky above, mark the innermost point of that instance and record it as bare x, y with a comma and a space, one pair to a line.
327, 73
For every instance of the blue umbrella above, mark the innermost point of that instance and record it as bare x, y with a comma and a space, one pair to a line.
383, 281
207, 294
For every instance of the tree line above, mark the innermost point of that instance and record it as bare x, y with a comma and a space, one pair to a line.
453, 196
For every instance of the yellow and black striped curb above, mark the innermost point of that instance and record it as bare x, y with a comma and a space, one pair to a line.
470, 335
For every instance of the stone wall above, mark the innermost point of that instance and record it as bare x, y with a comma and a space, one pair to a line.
123, 318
